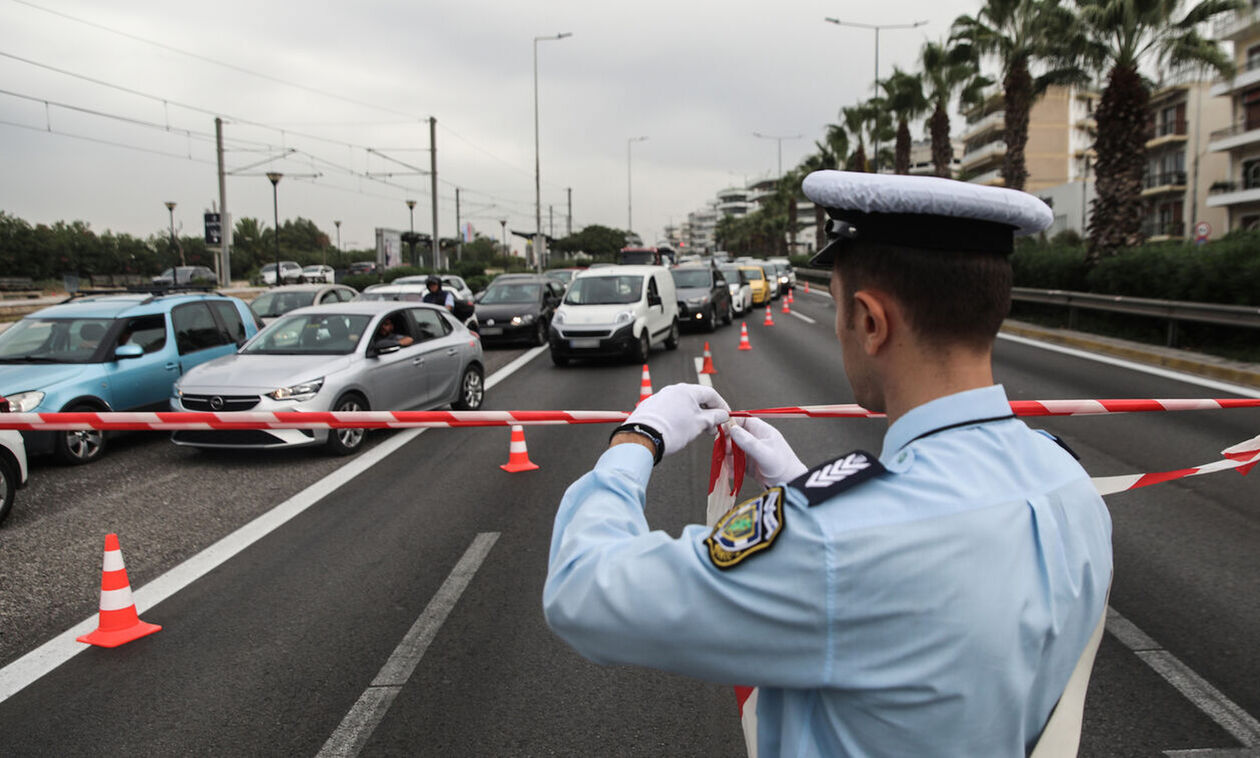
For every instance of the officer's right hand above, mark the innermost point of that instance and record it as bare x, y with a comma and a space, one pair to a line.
773, 460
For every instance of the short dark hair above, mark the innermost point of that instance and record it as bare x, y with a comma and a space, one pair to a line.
949, 298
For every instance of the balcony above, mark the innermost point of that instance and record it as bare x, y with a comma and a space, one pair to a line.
1247, 76
994, 120
1222, 194
984, 154
1165, 133
1234, 137
1230, 26
1162, 230
1165, 181
989, 178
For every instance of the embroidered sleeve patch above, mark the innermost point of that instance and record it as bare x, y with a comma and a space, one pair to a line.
823, 482
746, 529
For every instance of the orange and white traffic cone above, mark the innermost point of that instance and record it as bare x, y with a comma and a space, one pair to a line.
769, 318
786, 307
645, 385
707, 367
119, 623
792, 295
743, 336
518, 456
807, 288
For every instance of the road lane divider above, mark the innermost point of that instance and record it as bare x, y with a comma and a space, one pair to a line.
33, 665
369, 710
802, 317
701, 377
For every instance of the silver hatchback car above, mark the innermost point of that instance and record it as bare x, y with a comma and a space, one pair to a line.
347, 357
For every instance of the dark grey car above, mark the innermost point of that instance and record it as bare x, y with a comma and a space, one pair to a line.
703, 296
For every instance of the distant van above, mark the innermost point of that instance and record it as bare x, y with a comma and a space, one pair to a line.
615, 311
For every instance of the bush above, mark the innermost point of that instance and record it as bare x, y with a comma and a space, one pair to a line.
360, 281
477, 282
1049, 267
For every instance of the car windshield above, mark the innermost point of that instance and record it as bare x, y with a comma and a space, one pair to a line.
731, 273
387, 295
273, 303
604, 290
310, 334
511, 293
265, 269
49, 340
637, 257
692, 278
753, 274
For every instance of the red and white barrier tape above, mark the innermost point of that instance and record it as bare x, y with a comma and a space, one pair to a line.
173, 420
1242, 457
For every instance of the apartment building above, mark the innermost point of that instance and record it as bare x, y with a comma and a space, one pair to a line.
921, 158
1236, 190
1060, 137
1180, 167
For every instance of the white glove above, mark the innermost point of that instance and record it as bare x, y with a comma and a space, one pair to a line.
774, 462
680, 412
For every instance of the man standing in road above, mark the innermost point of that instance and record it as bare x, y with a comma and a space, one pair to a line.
932, 600
436, 295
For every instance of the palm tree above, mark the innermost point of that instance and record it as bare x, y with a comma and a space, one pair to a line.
904, 97
1122, 36
1023, 35
945, 70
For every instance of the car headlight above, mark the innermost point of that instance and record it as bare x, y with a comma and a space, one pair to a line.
299, 392
698, 300
558, 318
25, 402
624, 317
528, 318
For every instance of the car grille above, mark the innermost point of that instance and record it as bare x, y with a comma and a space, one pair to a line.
230, 436
585, 333
230, 402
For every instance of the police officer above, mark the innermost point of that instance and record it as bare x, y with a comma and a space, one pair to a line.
933, 599
436, 295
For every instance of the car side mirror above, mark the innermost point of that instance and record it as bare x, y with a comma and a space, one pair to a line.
654, 300
128, 351
386, 349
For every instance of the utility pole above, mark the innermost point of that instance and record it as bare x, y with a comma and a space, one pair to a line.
551, 221
459, 230
568, 225
225, 221
437, 248
778, 139
503, 224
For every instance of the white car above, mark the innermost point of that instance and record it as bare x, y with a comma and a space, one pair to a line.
449, 282
12, 465
615, 311
741, 291
290, 273
319, 274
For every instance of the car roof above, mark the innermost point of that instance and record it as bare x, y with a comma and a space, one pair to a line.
117, 306
363, 307
620, 271
520, 278
303, 288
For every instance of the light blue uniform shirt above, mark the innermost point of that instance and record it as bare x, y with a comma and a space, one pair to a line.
935, 609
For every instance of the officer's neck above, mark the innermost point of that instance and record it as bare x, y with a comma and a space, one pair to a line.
913, 376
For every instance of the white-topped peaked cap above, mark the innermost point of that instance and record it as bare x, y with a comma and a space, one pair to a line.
922, 211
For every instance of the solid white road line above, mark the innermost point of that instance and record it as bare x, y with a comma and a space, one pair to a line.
802, 317
1153, 370
704, 379
366, 714
1227, 714
63, 647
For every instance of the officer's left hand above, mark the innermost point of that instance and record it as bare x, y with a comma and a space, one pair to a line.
773, 460
681, 412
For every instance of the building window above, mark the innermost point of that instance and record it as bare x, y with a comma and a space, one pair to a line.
1251, 174
1249, 223
1251, 109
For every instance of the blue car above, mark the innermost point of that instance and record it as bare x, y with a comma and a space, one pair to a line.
112, 353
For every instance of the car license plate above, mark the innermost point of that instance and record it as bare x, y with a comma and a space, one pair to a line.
491, 330
580, 344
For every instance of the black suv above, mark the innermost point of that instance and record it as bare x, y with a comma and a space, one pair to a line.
518, 308
703, 296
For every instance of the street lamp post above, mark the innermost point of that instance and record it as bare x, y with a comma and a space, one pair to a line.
537, 172
778, 139
876, 27
506, 249
170, 208
338, 225
411, 238
629, 211
275, 176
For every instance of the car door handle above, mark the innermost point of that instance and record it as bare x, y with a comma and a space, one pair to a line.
417, 361
451, 351
172, 366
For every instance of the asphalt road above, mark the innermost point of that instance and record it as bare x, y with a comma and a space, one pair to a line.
266, 654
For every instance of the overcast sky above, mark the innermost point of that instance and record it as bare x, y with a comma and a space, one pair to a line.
696, 78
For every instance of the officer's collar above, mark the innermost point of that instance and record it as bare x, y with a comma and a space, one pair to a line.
983, 404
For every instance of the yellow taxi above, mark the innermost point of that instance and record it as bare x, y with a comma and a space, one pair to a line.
757, 283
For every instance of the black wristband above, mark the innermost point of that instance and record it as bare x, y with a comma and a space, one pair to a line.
646, 431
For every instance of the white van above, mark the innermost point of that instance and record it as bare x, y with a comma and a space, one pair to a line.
615, 311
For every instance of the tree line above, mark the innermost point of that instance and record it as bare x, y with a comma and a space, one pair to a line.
1029, 45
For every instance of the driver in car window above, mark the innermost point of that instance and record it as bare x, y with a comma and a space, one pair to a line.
387, 337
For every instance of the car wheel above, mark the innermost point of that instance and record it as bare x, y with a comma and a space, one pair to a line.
710, 323
729, 316
8, 487
79, 447
671, 342
347, 441
540, 334
471, 390
644, 348
559, 359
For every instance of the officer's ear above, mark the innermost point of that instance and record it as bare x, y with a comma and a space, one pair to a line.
870, 317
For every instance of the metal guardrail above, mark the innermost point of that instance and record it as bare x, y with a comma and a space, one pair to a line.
1174, 311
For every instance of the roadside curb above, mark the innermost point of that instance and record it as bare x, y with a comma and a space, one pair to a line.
1245, 374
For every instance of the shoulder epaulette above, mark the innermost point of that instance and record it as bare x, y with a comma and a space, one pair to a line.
1059, 442
835, 476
